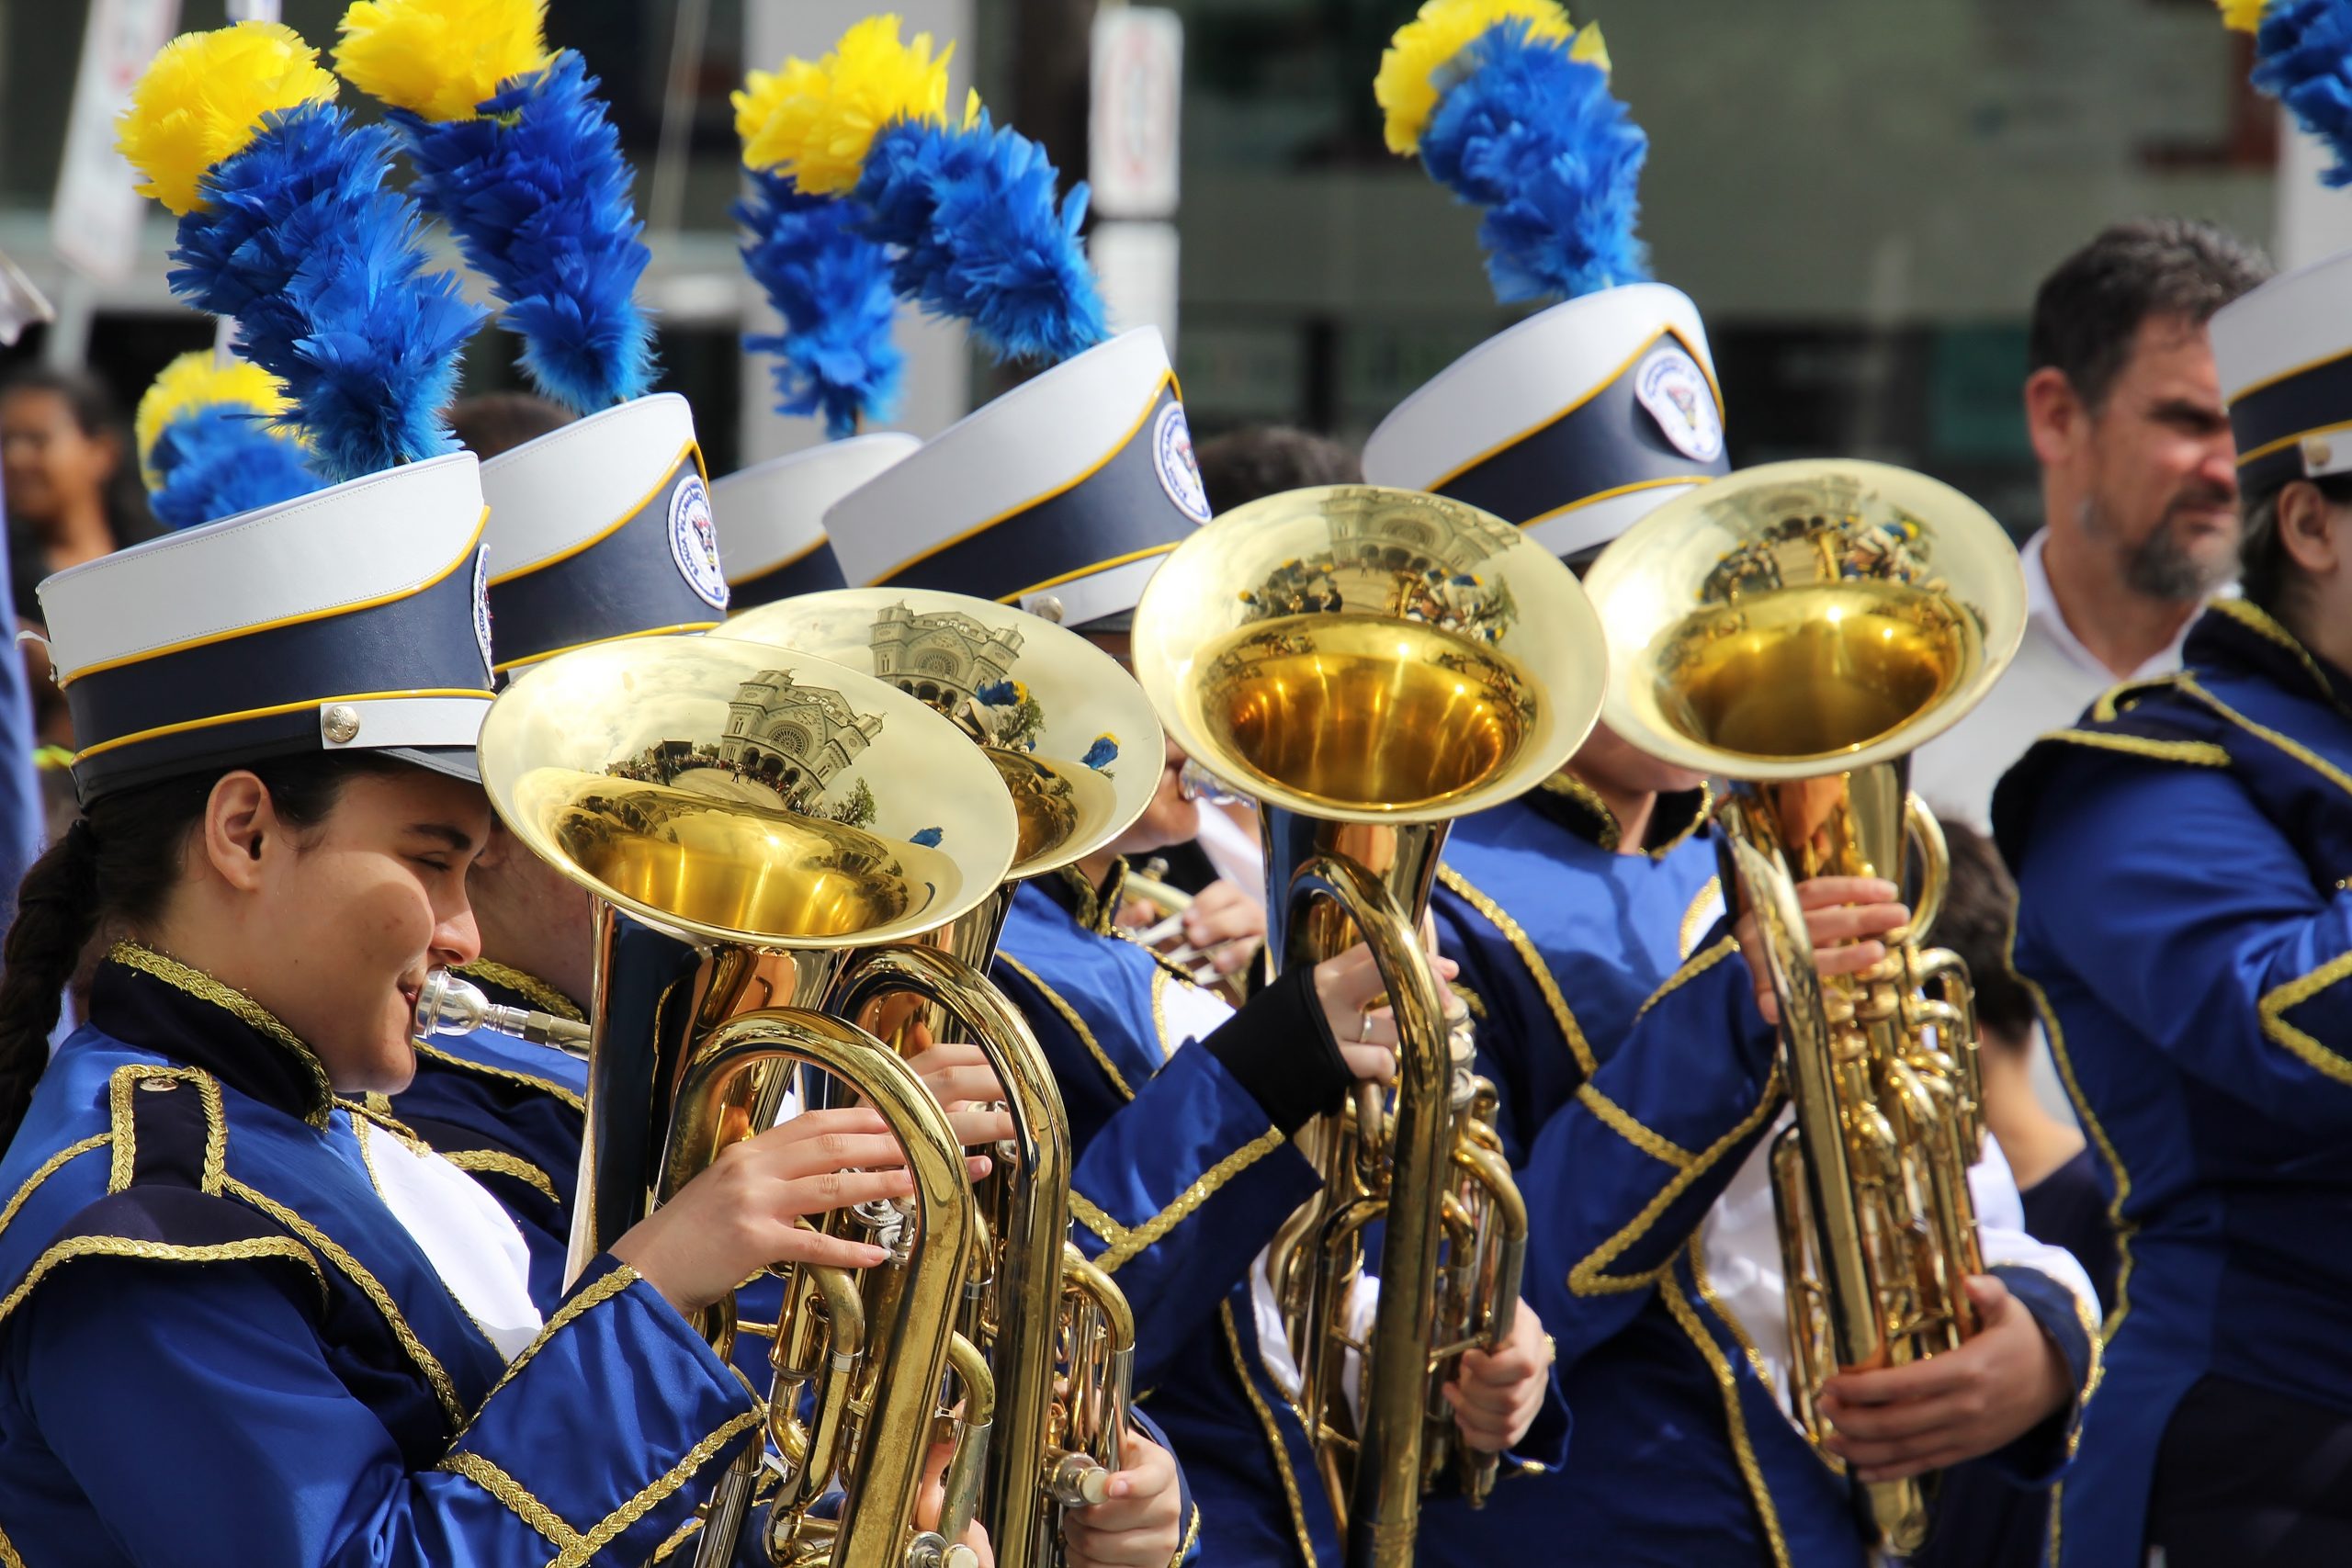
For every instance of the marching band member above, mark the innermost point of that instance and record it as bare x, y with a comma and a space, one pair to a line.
204, 1234
1060, 497
2184, 914
1636, 1094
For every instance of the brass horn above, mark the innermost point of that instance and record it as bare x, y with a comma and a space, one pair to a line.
746, 820
1078, 749
1368, 664
1801, 628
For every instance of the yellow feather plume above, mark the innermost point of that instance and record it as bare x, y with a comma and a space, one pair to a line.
2242, 15
1406, 88
814, 122
196, 381
440, 58
202, 100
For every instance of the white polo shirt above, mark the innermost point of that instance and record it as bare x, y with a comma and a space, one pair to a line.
2053, 679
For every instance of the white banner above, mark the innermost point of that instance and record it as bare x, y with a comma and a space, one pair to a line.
94, 222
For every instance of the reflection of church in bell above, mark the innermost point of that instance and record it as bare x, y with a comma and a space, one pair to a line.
1385, 536
792, 737
941, 656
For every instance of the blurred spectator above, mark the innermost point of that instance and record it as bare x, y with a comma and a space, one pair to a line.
1982, 1520
2139, 489
500, 422
1242, 465
21, 826
67, 467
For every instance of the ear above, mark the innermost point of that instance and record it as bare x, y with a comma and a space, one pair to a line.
2055, 416
240, 823
2307, 530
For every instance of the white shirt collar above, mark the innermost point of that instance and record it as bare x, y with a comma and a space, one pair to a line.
2041, 609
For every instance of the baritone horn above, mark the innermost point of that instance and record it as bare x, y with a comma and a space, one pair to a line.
742, 819
1801, 628
1078, 749
1368, 664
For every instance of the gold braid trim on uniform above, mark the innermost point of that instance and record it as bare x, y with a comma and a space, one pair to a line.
2257, 620
48, 1168
1184, 1547
1069, 1015
545, 1086
1607, 831
351, 1268
605, 1288
1738, 1329
156, 1252
496, 1162
1710, 894
1618, 1120
1687, 1316
1083, 1210
609, 1528
2293, 747
251, 1013
1692, 967
378, 1109
1590, 1277
763, 1489
2195, 754
2306, 1046
1135, 1239
134, 1076
1098, 907
1274, 1436
9, 1558
517, 1498
532, 989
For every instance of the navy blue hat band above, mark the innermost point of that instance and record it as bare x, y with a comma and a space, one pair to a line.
1118, 511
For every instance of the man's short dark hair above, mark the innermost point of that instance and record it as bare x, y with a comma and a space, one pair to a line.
1247, 465
493, 422
1980, 908
2088, 312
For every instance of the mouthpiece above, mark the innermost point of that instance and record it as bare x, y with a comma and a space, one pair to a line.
448, 1005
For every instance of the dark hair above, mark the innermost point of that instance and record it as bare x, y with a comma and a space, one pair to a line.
2088, 312
117, 863
95, 413
500, 422
1243, 466
1980, 908
2267, 573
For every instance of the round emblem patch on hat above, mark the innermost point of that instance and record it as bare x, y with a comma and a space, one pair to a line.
1171, 454
1670, 386
693, 541
481, 607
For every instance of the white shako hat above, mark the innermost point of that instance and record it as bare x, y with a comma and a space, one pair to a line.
349, 619
2284, 355
772, 515
1574, 423
601, 529
1059, 497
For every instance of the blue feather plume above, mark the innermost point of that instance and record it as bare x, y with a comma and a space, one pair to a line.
538, 194
835, 356
217, 461
324, 270
2302, 55
1534, 137
971, 213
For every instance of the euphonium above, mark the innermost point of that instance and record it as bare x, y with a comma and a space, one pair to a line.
1080, 752
746, 820
1368, 664
1801, 628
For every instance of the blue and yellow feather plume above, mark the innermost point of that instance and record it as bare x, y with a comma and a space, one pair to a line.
208, 447
1508, 105
969, 212
836, 358
2302, 57
515, 152
285, 224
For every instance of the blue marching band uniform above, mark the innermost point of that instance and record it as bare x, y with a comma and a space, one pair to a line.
353, 1320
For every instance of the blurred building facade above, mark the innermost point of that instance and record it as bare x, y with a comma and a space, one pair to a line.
1860, 196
